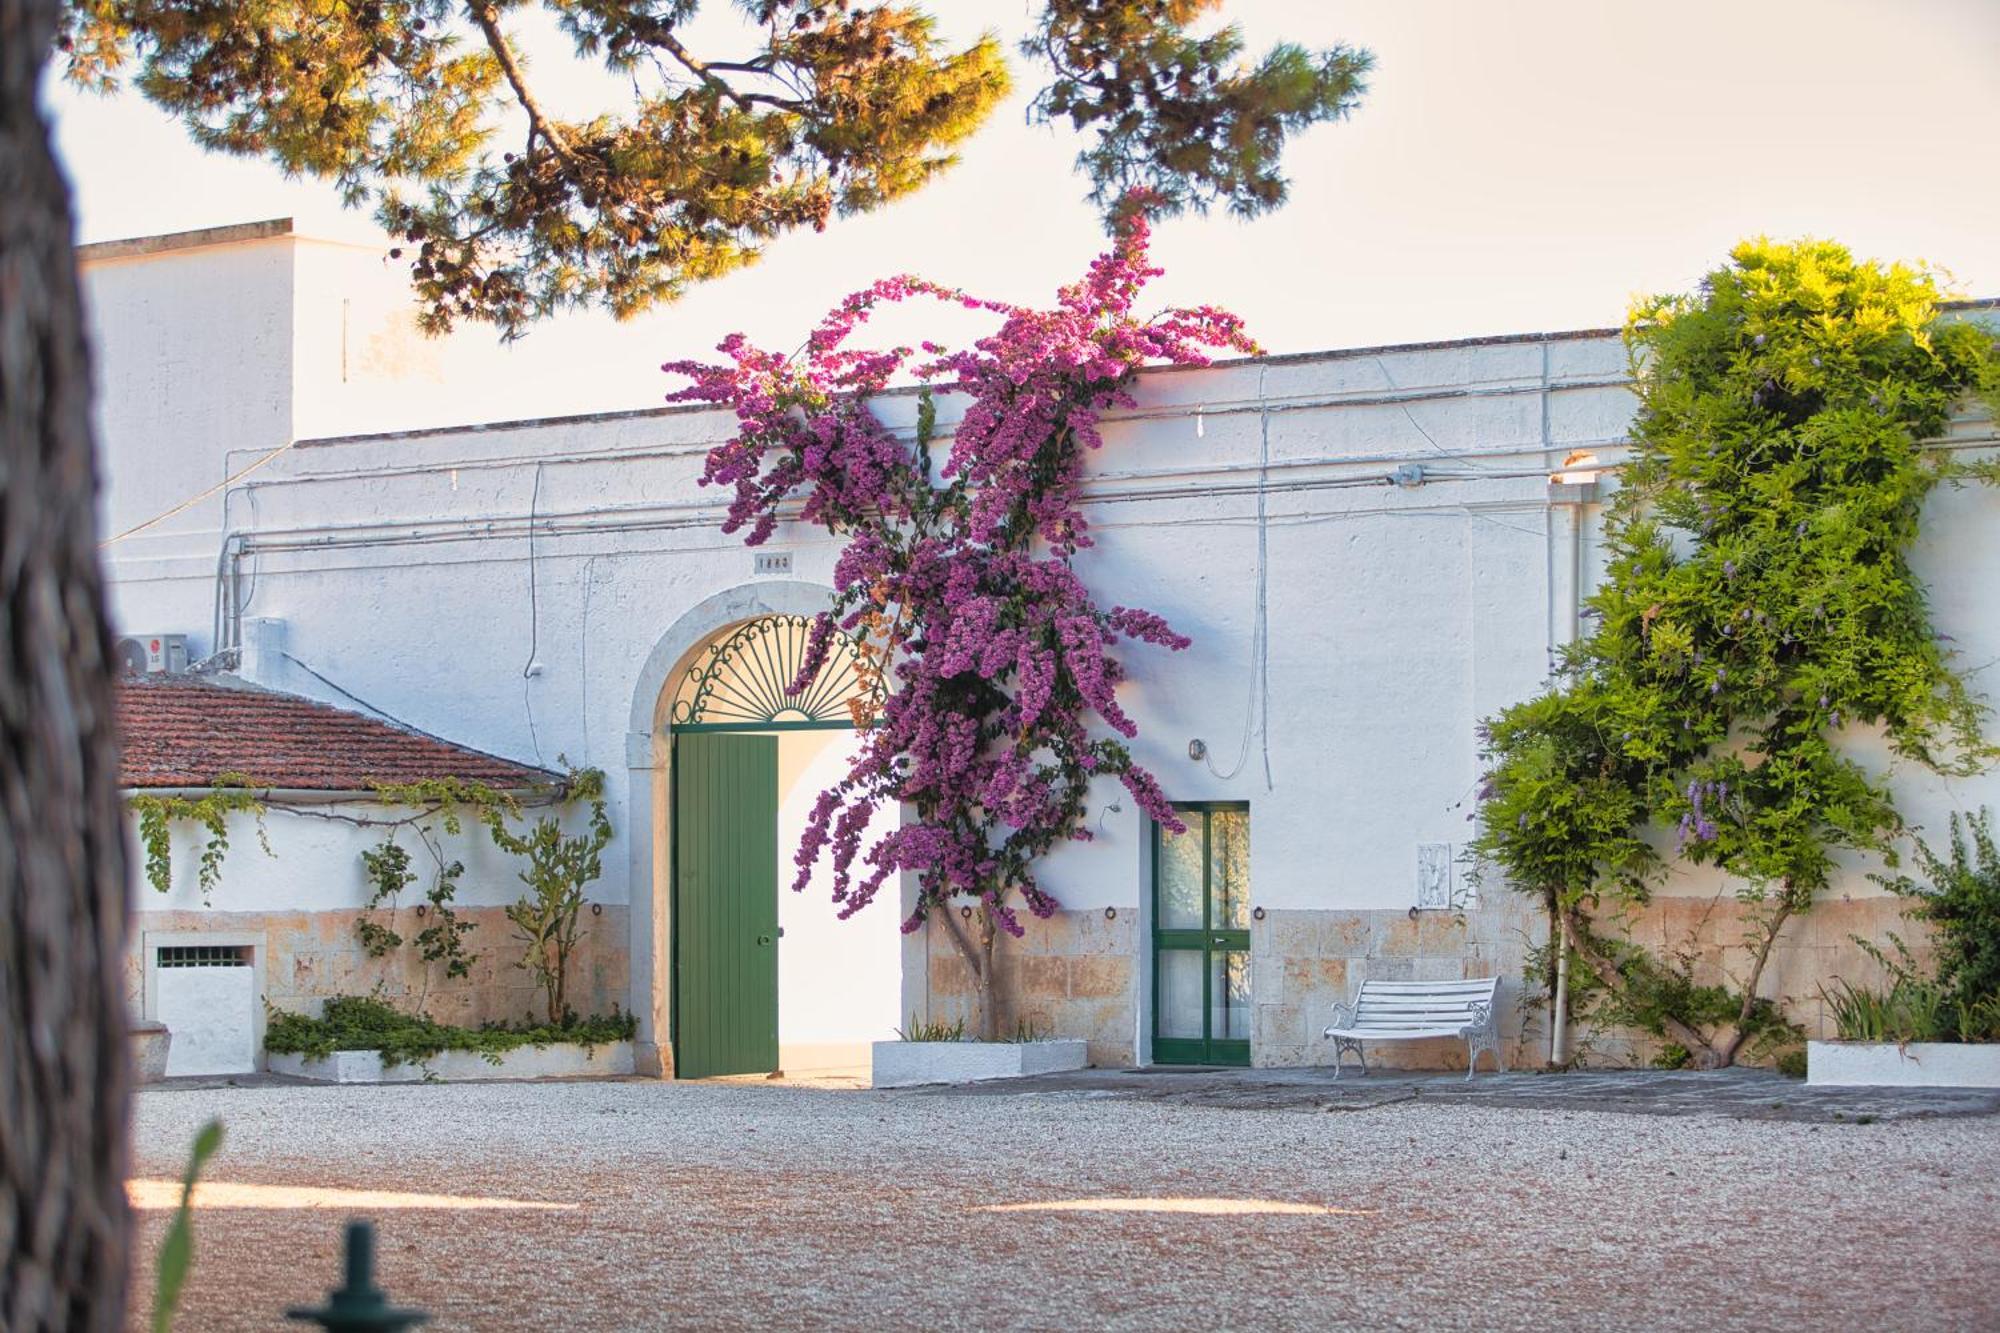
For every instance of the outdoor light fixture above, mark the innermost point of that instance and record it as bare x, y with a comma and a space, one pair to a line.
1197, 748
1579, 469
1110, 914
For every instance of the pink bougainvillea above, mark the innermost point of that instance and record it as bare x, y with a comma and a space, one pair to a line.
1000, 669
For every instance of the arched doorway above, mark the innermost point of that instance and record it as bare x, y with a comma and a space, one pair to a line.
761, 978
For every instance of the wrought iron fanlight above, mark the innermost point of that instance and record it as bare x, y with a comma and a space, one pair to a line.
745, 678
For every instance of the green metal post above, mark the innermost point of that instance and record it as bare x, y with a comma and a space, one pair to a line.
359, 1306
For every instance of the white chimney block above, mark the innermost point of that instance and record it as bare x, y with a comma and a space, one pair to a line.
264, 662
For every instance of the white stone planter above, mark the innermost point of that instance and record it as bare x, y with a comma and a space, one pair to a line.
1920, 1064
559, 1060
150, 1044
903, 1064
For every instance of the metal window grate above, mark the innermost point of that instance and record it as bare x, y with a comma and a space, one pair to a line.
204, 955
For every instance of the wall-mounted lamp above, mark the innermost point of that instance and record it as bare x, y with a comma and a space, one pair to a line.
1115, 808
1110, 914
1579, 469
1197, 749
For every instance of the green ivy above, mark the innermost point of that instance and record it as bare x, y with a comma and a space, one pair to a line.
1757, 600
366, 1023
231, 793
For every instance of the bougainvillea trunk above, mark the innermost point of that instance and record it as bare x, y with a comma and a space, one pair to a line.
999, 678
63, 1058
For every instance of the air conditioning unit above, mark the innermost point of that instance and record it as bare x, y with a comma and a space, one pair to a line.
153, 654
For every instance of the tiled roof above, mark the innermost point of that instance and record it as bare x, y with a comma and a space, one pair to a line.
184, 731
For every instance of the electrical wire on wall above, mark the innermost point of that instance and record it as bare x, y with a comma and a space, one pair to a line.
1257, 707
583, 651
528, 668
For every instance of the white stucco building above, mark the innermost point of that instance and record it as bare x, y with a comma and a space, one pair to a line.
1365, 545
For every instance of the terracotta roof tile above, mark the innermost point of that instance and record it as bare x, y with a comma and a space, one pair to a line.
184, 731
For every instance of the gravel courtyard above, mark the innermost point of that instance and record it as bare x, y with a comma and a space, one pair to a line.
638, 1205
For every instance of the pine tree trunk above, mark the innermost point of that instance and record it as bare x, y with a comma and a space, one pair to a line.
63, 1045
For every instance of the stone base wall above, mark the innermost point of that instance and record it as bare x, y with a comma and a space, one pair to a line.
1073, 975
307, 957
1079, 974
1302, 963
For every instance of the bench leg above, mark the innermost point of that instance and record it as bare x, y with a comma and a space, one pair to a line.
1477, 1042
1342, 1045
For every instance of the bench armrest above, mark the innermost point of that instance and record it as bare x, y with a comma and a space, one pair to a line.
1482, 1016
1343, 1015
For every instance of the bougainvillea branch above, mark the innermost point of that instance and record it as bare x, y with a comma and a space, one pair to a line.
957, 574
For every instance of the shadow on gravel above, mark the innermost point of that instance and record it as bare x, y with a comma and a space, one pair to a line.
1736, 1094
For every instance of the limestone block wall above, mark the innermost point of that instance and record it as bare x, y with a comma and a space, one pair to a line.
1073, 975
304, 958
1303, 962
1080, 974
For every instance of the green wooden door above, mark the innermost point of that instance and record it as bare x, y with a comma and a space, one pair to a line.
725, 909
1201, 938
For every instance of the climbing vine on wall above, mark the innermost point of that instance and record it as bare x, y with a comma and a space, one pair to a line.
1757, 601
387, 871
545, 919
232, 793
957, 575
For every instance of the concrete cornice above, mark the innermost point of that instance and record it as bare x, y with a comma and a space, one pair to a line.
136, 246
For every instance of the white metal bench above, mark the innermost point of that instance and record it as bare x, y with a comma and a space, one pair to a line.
1410, 1010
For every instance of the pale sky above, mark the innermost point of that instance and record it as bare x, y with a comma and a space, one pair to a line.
1516, 167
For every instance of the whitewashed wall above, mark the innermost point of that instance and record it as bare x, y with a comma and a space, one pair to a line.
314, 863
504, 585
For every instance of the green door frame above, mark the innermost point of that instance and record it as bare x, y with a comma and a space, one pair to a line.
1209, 940
678, 975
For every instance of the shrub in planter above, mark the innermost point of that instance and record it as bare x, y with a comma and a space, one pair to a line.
364, 1023
1916, 1030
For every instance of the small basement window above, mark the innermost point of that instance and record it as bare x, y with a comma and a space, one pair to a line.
209, 997
203, 955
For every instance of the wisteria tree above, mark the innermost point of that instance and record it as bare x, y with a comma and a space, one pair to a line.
957, 579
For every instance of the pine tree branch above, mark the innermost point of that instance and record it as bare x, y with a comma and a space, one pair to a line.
539, 123
705, 71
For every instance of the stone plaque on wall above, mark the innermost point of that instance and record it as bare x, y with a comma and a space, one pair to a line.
1434, 876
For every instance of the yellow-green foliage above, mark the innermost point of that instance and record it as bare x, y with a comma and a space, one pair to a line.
1758, 596
812, 111
232, 794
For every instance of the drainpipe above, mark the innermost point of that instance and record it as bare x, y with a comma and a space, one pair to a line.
1570, 489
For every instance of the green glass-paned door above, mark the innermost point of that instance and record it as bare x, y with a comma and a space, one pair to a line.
1201, 938
725, 904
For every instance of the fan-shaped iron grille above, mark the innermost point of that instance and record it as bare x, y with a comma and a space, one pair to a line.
744, 679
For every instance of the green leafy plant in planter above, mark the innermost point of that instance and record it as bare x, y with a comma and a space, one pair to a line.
1757, 600
560, 867
367, 1023
918, 1030
1957, 998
